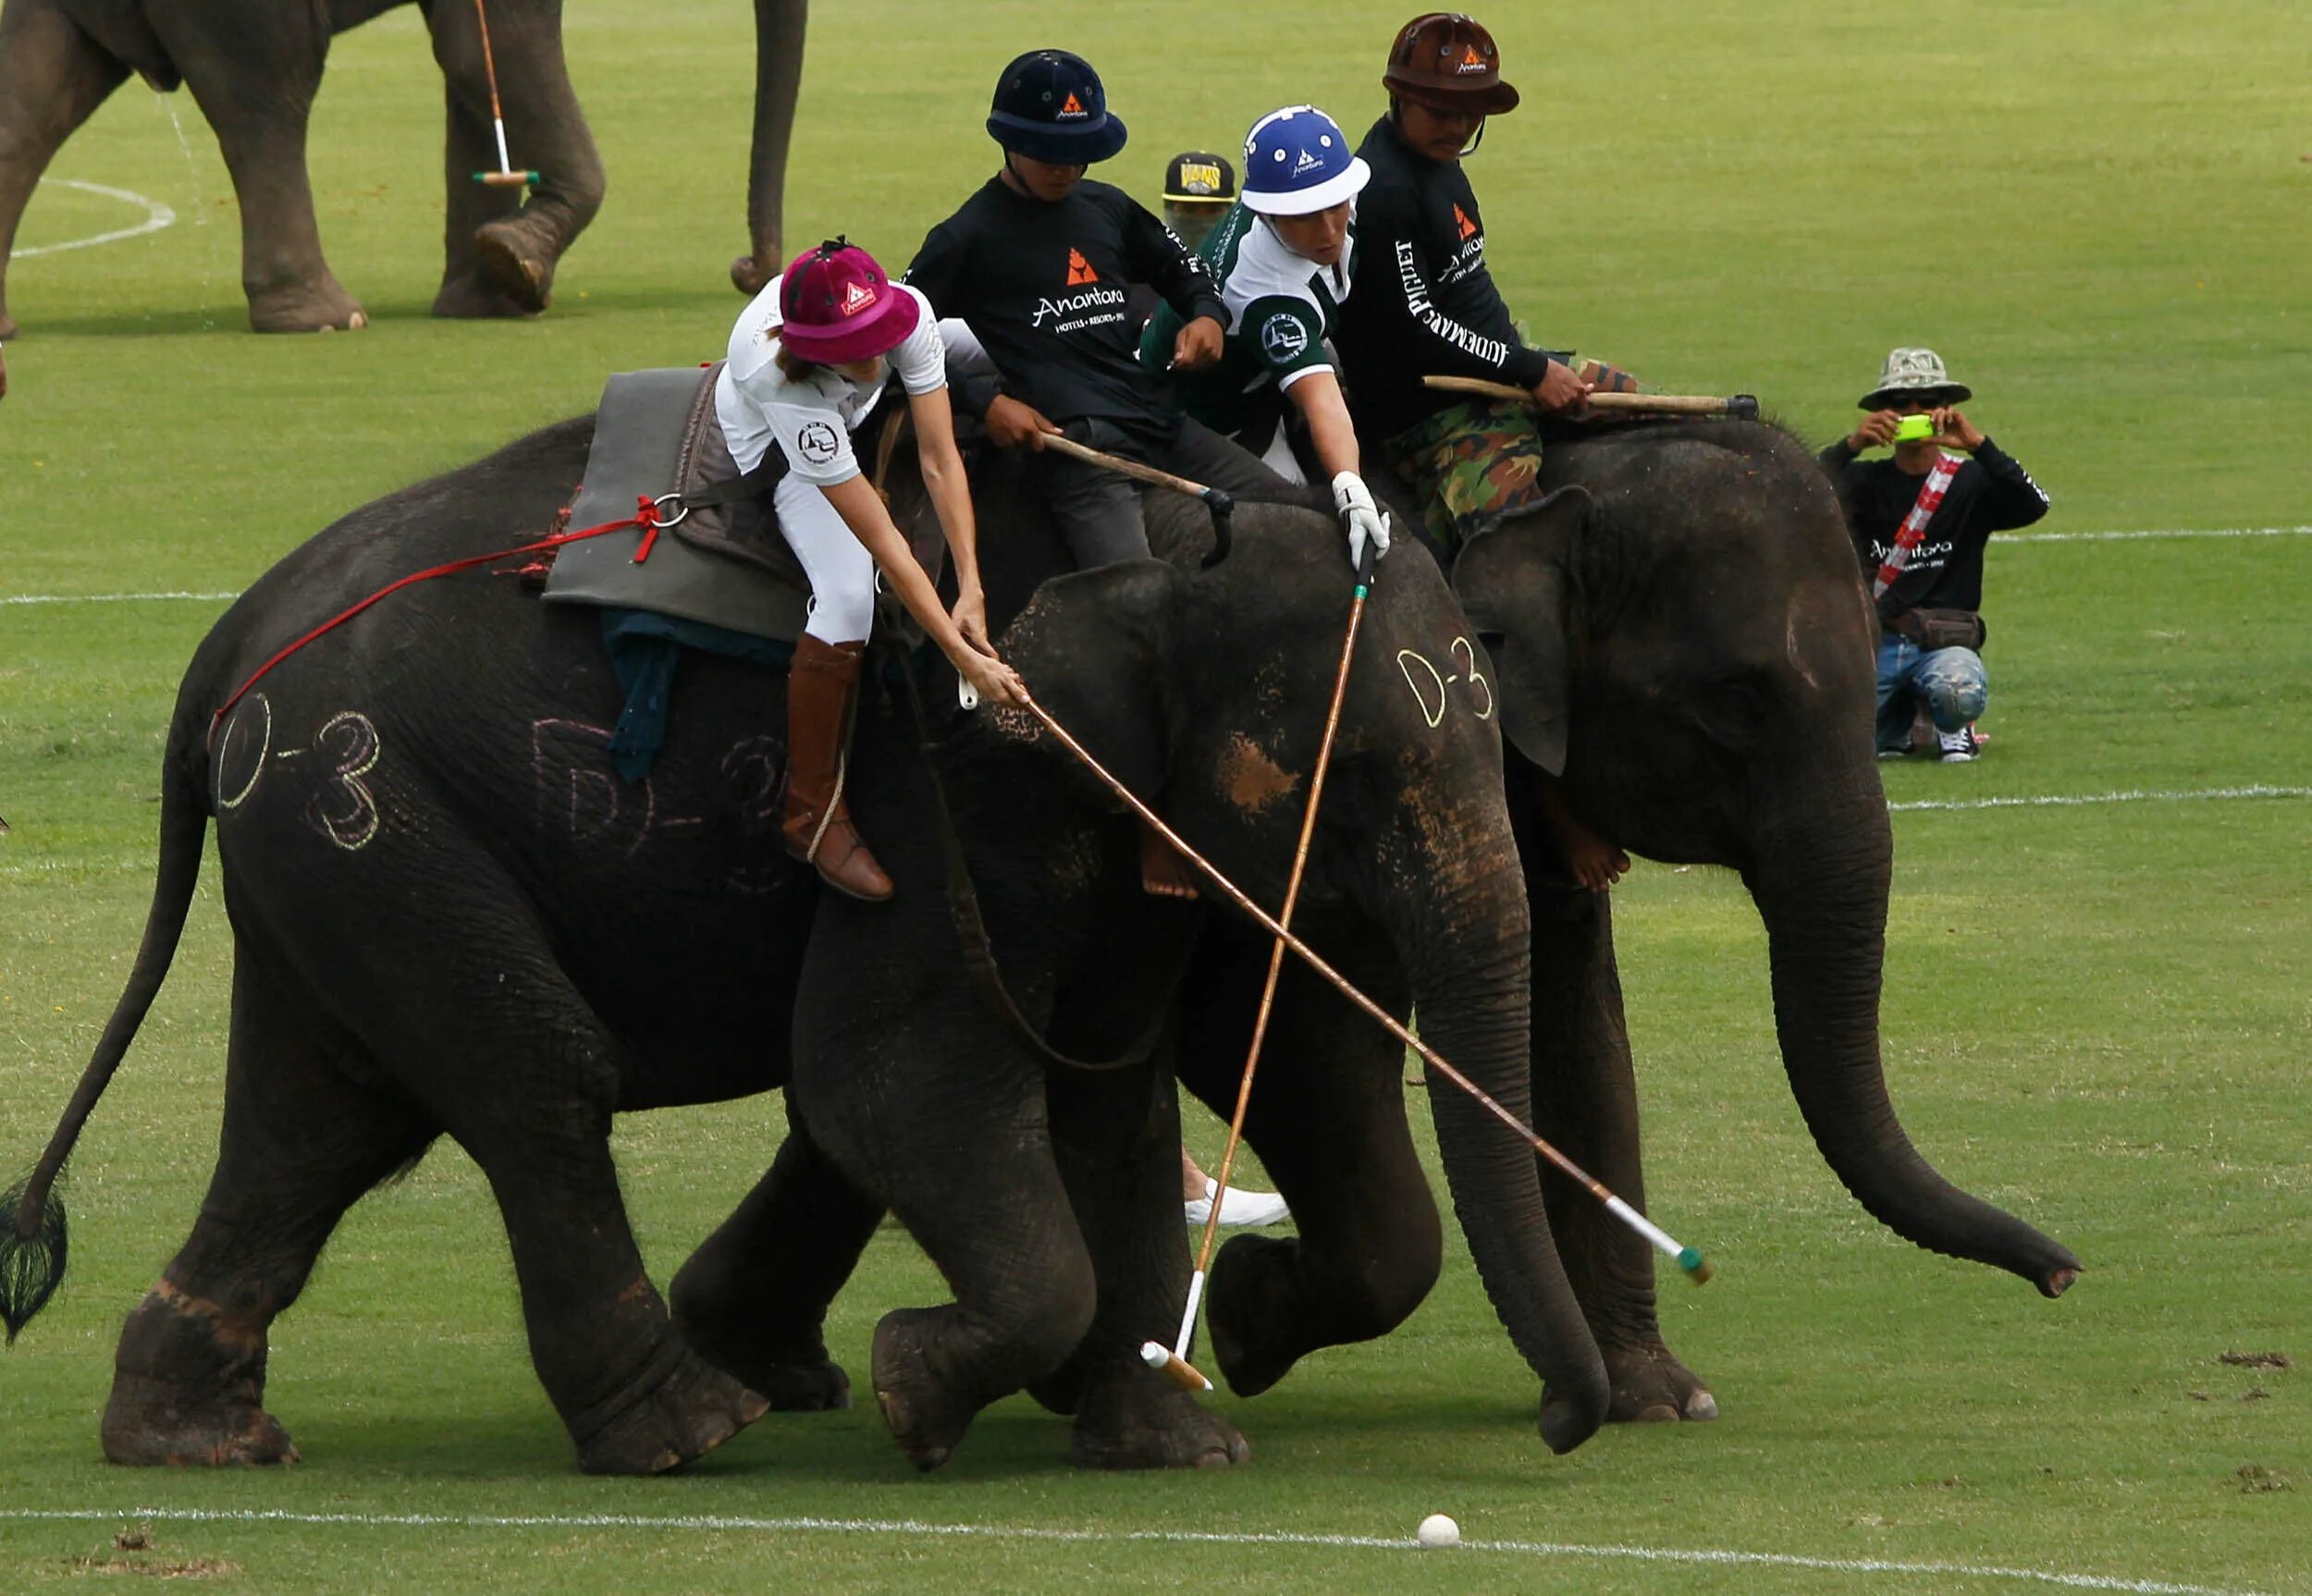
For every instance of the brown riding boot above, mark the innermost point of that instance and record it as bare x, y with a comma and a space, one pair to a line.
816, 824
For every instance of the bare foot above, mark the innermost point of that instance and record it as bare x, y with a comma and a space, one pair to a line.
1592, 861
1164, 872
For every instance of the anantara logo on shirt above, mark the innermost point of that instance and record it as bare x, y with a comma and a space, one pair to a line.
1074, 107
856, 296
1080, 270
1461, 220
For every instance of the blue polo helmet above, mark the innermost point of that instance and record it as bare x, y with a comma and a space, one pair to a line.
1298, 161
1049, 106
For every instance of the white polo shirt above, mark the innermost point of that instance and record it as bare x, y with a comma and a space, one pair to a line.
810, 420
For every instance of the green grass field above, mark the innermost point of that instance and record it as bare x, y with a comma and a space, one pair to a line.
2098, 1016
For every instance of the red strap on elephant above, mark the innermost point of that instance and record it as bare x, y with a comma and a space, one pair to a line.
645, 516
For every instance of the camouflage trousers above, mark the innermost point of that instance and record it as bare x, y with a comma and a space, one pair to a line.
1467, 465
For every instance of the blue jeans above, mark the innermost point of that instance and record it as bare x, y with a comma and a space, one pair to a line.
1950, 681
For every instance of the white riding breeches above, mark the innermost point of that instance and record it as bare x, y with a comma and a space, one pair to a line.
840, 569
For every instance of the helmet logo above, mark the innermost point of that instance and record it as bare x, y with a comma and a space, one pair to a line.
1073, 107
1310, 162
1079, 269
856, 296
1196, 179
1461, 220
1470, 61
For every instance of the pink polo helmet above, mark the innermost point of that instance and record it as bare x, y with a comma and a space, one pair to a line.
837, 306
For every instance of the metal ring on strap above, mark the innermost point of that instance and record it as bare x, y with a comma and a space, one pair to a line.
682, 512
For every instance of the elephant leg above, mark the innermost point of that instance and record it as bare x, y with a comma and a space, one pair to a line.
1118, 1136
500, 251
258, 99
753, 1299
1327, 1118
300, 1145
963, 1158
1585, 1101
52, 78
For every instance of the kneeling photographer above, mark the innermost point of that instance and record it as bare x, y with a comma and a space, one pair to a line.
1920, 522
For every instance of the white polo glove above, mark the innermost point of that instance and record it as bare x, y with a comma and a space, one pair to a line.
1360, 518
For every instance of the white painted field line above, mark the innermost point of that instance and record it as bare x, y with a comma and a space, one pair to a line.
2074, 800
910, 1527
111, 598
2000, 539
157, 216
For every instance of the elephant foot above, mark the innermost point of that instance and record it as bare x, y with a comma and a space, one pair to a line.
792, 1373
1247, 1314
188, 1387
150, 1423
927, 1418
1652, 1387
521, 271
319, 307
694, 1408
477, 297
751, 276
1142, 1420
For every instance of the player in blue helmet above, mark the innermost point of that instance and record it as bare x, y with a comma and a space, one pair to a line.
1283, 257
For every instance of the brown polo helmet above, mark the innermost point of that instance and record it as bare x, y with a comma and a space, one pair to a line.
1446, 61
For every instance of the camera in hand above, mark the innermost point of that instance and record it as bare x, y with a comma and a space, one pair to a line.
1917, 427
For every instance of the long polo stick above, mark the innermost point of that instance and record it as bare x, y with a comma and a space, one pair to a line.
505, 177
1742, 407
1131, 468
1175, 1363
1697, 1268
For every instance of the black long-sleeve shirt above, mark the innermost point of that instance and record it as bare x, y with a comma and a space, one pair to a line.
1421, 301
1044, 285
1989, 493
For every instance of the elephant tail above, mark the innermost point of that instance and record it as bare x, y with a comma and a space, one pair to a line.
32, 1232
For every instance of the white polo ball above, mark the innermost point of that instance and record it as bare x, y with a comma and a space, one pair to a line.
1437, 1530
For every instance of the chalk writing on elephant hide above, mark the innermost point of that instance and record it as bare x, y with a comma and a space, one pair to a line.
580, 801
1430, 685
341, 808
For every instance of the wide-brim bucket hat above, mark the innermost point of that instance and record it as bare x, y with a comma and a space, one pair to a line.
1916, 374
1049, 106
836, 306
1296, 162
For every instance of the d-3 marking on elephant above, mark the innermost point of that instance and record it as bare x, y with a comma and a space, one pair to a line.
489, 975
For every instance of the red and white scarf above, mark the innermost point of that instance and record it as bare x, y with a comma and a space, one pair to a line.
1915, 524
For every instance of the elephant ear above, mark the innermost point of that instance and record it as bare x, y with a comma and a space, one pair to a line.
1102, 651
1515, 581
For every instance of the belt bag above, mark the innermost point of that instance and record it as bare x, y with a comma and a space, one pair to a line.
1933, 628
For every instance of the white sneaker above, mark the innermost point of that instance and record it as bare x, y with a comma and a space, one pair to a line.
1959, 747
1239, 1207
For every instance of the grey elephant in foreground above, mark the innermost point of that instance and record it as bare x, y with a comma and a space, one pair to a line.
450, 915
254, 67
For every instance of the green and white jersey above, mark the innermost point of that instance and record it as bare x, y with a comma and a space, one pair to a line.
1281, 309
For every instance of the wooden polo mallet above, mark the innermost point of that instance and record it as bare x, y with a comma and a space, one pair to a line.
1740, 407
1175, 1362
505, 177
1697, 1268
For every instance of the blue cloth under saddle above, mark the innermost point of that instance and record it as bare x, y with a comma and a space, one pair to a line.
644, 648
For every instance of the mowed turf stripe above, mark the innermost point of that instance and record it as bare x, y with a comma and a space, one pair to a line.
2003, 538
913, 1527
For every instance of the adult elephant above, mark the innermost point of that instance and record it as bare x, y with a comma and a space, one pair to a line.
1685, 641
448, 916
255, 67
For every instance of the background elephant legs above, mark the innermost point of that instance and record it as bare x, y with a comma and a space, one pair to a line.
300, 1143
1585, 1101
257, 89
1328, 1120
499, 251
52, 78
753, 1299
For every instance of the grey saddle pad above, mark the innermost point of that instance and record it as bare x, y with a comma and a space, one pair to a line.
656, 432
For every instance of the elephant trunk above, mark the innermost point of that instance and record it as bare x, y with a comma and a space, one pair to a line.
1468, 950
778, 77
1821, 888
